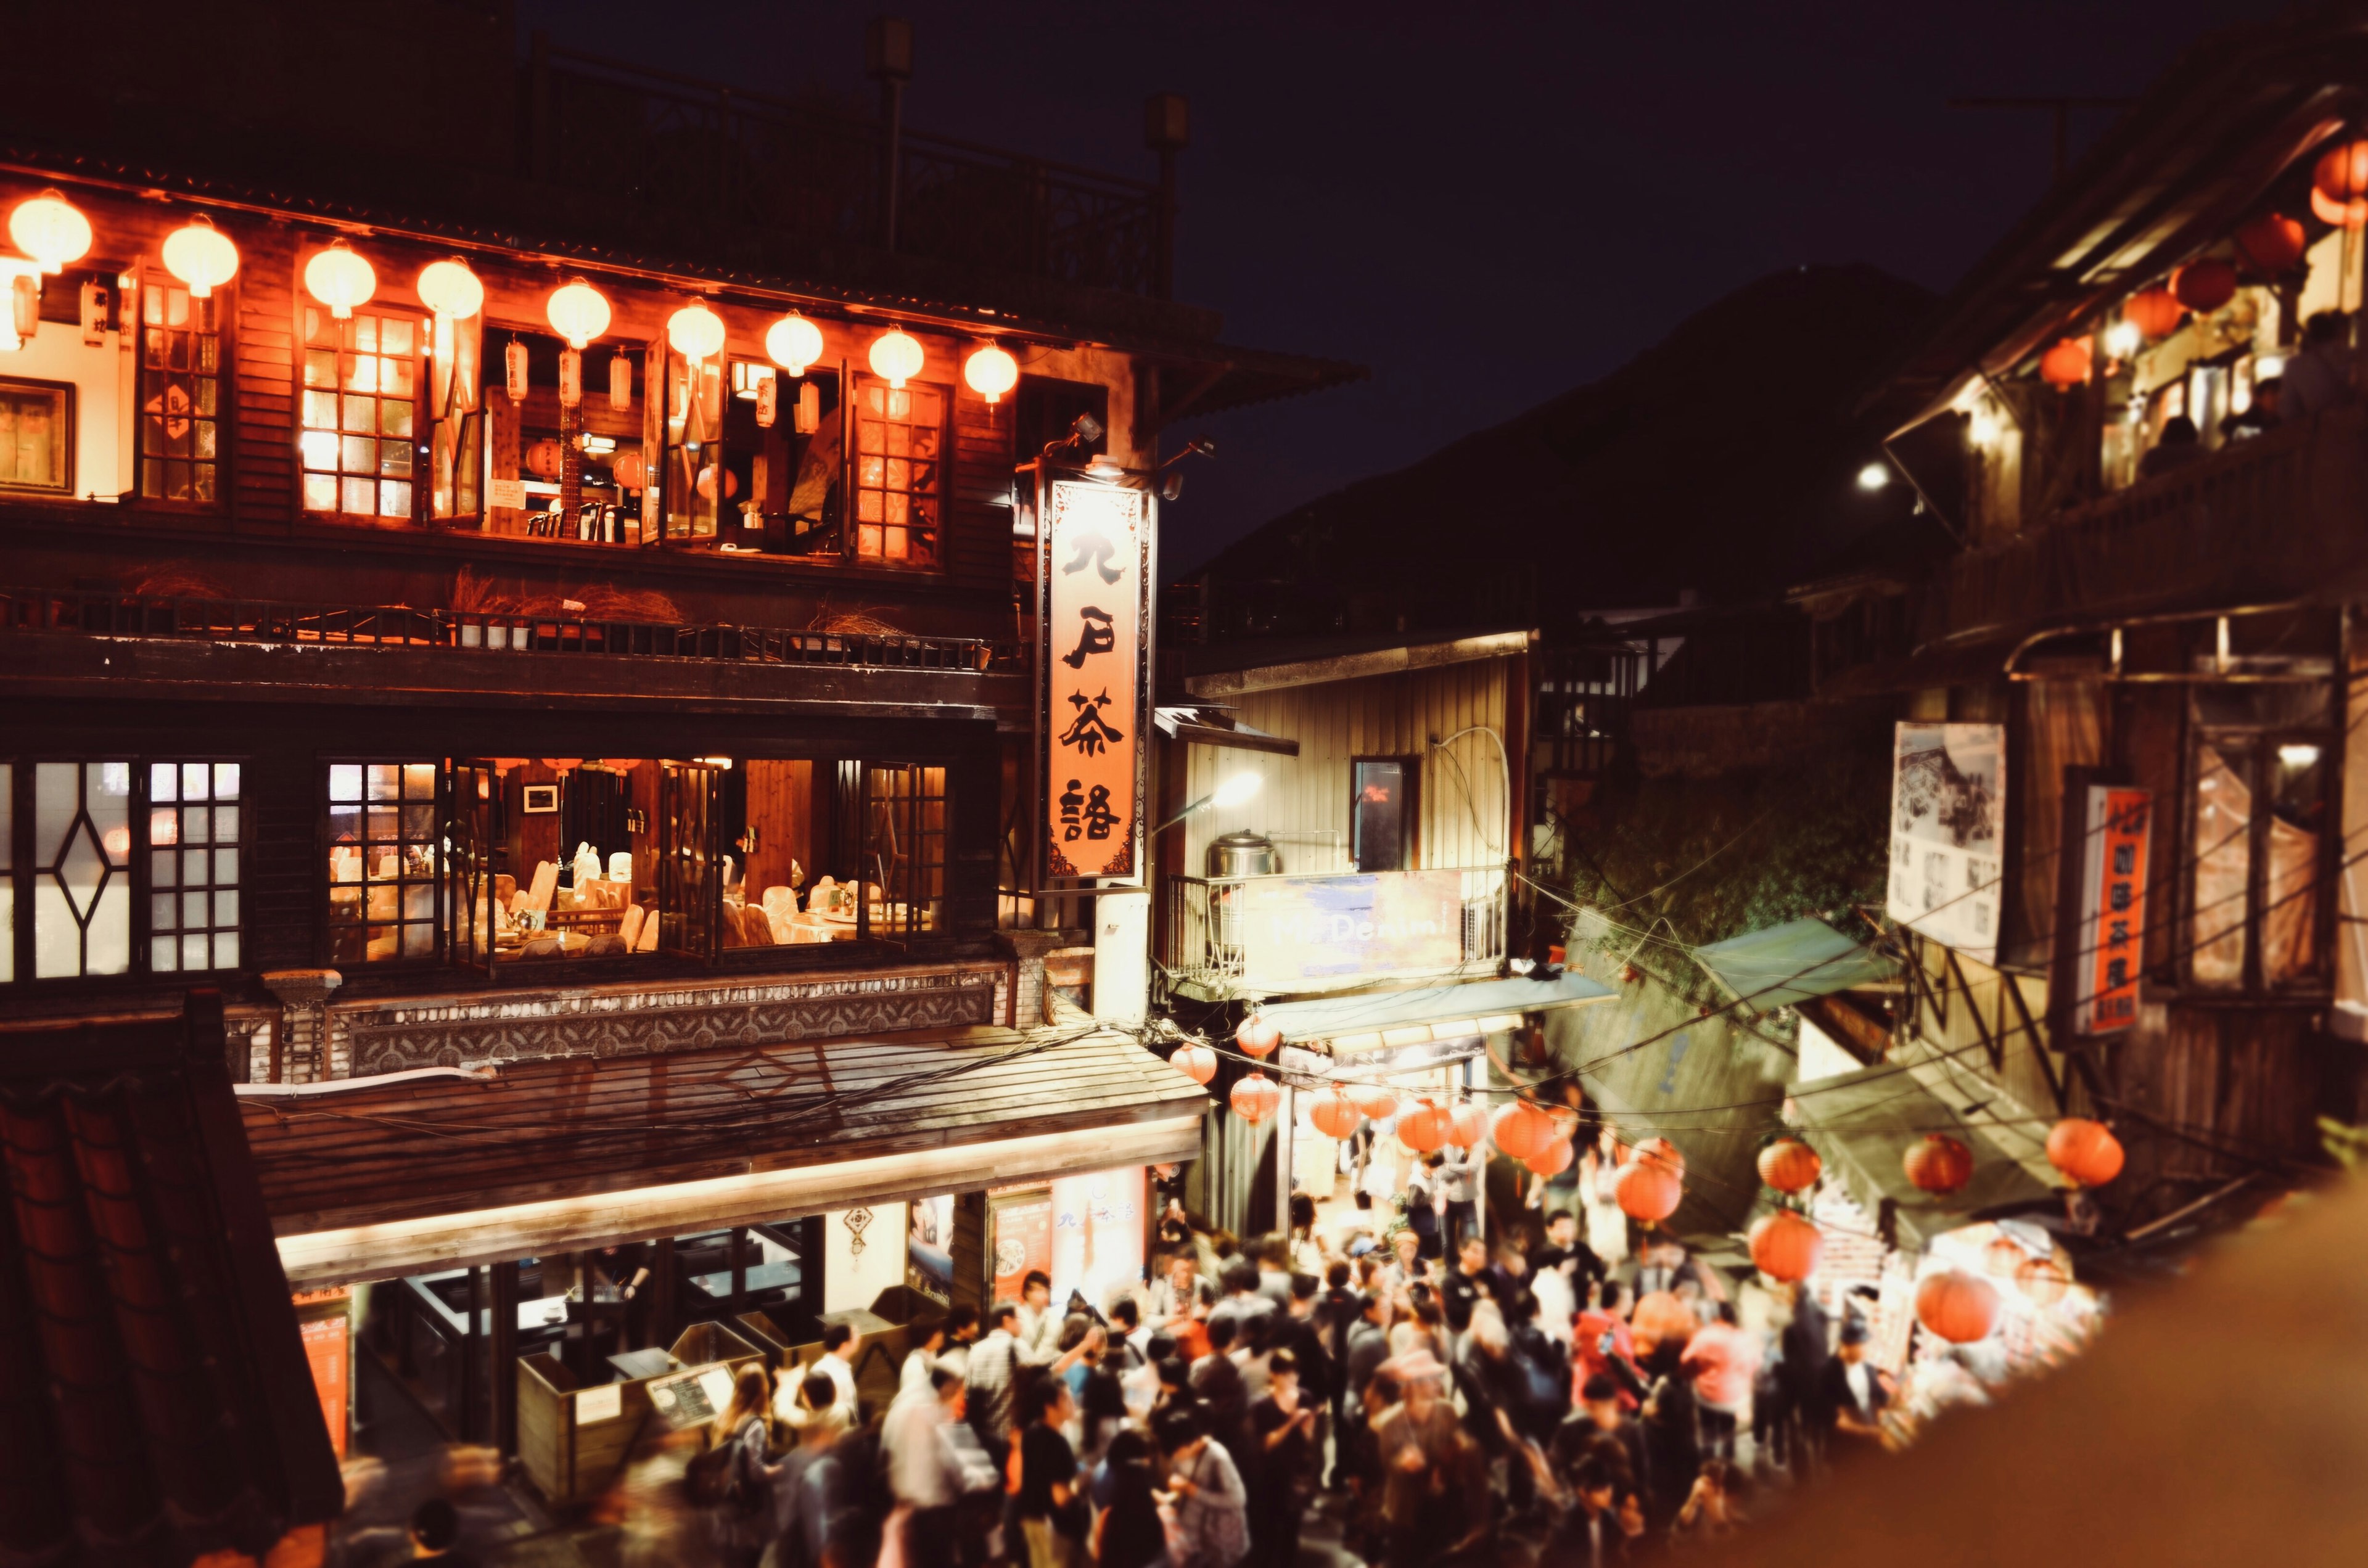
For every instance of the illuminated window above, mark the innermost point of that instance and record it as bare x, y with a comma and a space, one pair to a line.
36, 435
899, 438
359, 401
905, 847
382, 861
193, 866
82, 869
180, 394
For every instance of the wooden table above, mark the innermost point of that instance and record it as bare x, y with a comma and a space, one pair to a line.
632, 1364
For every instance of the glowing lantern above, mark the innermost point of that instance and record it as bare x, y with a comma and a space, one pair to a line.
339, 278
514, 370
2003, 1256
2066, 366
2342, 173
1657, 1151
50, 229
2085, 1151
793, 343
577, 311
1425, 1128
1521, 1130
1256, 1097
620, 383
1258, 1036
1377, 1103
1466, 1124
563, 764
1789, 1166
991, 372
1786, 1246
1958, 1307
895, 358
1556, 1157
1197, 1063
2270, 244
1939, 1164
201, 256
2205, 286
1648, 1190
696, 332
2339, 214
2156, 312
1334, 1113
2042, 1280
450, 290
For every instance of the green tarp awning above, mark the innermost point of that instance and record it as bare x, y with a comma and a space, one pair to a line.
1791, 962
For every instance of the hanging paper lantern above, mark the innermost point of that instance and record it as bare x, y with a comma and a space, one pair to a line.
1256, 1097
1789, 1166
2270, 244
2342, 173
1521, 1130
1466, 1124
1786, 1246
571, 379
620, 383
1334, 1114
2066, 366
577, 311
793, 343
1376, 1102
1425, 1128
1258, 1036
563, 764
450, 290
1648, 1190
2085, 1151
1958, 1307
2339, 214
895, 358
1661, 1317
1555, 1158
1196, 1062
201, 256
2156, 312
2003, 1256
514, 376
50, 229
2043, 1280
620, 764
1938, 1165
696, 332
991, 372
2205, 286
505, 764
340, 279
625, 468
1657, 1151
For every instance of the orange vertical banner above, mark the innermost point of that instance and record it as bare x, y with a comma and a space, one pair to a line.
1094, 536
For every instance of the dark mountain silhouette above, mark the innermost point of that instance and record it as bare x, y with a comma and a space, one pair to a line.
1723, 460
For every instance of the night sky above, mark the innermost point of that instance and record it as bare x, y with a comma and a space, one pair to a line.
1486, 204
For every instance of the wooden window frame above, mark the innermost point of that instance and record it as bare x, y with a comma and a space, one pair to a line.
938, 495
69, 425
2262, 745
325, 777
224, 301
420, 477
144, 789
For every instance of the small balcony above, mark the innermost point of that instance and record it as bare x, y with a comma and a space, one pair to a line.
1228, 937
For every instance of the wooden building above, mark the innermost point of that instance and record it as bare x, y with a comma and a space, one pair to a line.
534, 585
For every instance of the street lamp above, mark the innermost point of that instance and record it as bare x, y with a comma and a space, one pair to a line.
1239, 790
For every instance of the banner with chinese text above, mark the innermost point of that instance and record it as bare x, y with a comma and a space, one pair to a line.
1093, 538
2112, 908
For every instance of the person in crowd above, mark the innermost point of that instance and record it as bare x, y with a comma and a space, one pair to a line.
1337, 1308
993, 1377
1128, 1532
1408, 1267
1180, 1300
1040, 1326
435, 1535
1598, 1532
1272, 1255
1851, 1391
1052, 1514
961, 1333
1802, 1374
1713, 1510
1723, 1362
1127, 1335
1175, 1232
1175, 1387
1506, 1278
2319, 374
1101, 1399
1466, 1280
1284, 1448
2177, 447
2260, 413
1435, 1485
1672, 1449
1566, 1249
812, 1489
1494, 1390
1140, 1385
1458, 1178
1377, 1180
928, 1474
1217, 1384
1600, 1426
1544, 1367
1603, 1345
929, 1343
1243, 1297
1420, 1204
1307, 1252
836, 1363
739, 1484
1662, 1265
1369, 1343
1211, 1505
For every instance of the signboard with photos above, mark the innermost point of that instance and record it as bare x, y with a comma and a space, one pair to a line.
1947, 833
1093, 572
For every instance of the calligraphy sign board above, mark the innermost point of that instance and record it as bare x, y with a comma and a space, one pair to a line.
1094, 549
1948, 832
1296, 930
2112, 908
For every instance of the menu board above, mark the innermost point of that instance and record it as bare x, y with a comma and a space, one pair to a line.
687, 1399
1020, 1237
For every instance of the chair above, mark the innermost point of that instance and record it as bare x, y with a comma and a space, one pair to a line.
628, 931
756, 927
606, 946
537, 898
649, 942
542, 947
504, 888
780, 910
621, 866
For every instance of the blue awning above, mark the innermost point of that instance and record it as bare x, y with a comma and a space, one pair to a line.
1793, 962
1374, 1012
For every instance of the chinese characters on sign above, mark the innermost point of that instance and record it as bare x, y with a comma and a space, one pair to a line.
2112, 908
1948, 829
1093, 545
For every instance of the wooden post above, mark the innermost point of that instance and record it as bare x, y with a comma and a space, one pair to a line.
739, 1269
663, 1308
473, 1354
503, 1369
1286, 1127
1167, 128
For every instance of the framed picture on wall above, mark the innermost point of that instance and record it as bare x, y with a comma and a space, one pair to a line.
542, 798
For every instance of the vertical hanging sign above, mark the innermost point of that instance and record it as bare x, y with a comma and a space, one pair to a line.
2113, 909
1093, 537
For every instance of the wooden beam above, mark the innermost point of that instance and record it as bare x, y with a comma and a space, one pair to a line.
1350, 667
503, 1348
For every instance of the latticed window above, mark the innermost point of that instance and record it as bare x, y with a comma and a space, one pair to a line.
360, 405
180, 394
82, 869
383, 861
905, 847
193, 866
899, 473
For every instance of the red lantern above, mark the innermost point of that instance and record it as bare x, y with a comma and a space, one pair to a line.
1789, 1166
2339, 214
1661, 1317
2205, 286
2085, 1151
1425, 1128
1466, 1124
2342, 173
2003, 1256
1375, 1101
1785, 1245
1657, 1152
1939, 1164
2042, 1280
1521, 1130
1256, 1097
1648, 1190
2156, 312
1630, 974
1257, 1035
1334, 1113
2270, 244
1552, 1160
1197, 1063
2066, 366
1958, 1307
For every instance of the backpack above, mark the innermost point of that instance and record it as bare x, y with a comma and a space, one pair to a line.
716, 1478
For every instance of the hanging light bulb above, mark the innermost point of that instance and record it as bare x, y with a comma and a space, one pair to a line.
339, 278
991, 372
201, 256
895, 358
50, 229
621, 382
793, 343
450, 290
577, 311
696, 332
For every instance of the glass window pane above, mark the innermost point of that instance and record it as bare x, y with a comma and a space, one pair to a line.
320, 492
193, 782
194, 863
394, 460
194, 907
165, 869
226, 950
362, 333
197, 824
358, 496
395, 334
357, 454
394, 377
225, 867
164, 826
164, 954
193, 951
164, 780
419, 781
226, 907
345, 781
418, 942
162, 908
394, 498
107, 945
320, 368
225, 781
419, 901
394, 416
320, 414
